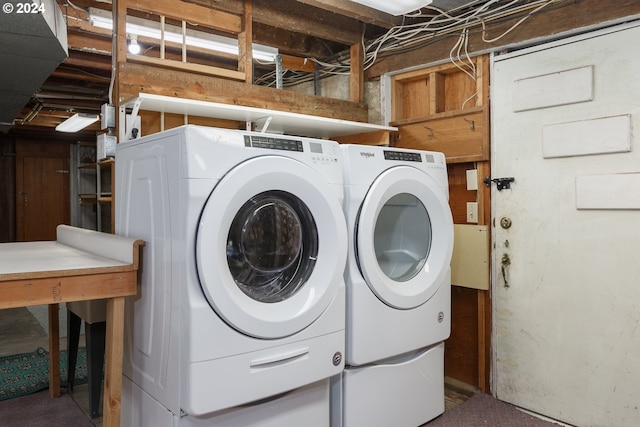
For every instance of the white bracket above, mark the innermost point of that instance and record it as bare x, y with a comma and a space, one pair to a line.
125, 132
266, 124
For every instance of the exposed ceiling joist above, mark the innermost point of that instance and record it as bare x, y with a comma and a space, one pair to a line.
303, 29
296, 17
356, 11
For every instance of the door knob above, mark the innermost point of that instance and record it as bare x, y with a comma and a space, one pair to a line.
505, 222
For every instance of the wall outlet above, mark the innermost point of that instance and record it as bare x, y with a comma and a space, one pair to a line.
472, 212
107, 116
105, 146
472, 179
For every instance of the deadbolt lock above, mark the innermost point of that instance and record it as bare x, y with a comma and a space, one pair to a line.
505, 222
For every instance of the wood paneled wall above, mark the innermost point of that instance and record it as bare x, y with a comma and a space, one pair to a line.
442, 108
7, 190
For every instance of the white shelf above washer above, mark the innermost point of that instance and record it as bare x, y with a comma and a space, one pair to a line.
270, 120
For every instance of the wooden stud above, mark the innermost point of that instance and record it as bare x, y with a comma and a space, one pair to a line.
436, 93
245, 43
356, 86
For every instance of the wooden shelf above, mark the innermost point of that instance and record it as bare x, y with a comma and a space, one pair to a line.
460, 134
439, 116
95, 181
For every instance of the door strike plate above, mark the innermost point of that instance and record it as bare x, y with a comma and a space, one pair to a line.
501, 183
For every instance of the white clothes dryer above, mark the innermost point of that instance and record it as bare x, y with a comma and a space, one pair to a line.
398, 287
242, 294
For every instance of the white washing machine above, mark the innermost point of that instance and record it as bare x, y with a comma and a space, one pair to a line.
240, 315
398, 287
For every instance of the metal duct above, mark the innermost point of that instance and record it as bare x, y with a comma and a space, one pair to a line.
32, 45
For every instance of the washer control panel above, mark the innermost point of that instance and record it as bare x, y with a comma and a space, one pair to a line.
272, 143
324, 153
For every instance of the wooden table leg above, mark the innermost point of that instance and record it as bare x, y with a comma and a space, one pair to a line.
54, 351
113, 362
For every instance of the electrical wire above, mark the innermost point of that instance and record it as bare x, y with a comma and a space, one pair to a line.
432, 24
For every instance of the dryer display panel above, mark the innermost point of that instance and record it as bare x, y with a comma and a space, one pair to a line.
402, 237
272, 246
273, 143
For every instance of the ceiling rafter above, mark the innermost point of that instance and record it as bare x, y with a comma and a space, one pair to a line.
356, 11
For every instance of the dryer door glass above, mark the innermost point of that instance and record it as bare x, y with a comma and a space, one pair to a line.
402, 237
272, 246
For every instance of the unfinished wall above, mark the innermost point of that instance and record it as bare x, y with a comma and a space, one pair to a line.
338, 87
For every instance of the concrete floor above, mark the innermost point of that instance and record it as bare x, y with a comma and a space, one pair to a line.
24, 330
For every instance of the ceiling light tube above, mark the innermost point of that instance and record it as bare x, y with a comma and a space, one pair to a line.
151, 29
396, 7
77, 122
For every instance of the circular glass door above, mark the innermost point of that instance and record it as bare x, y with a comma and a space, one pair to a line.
271, 247
404, 237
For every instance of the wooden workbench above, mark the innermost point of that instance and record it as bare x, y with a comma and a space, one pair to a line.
80, 265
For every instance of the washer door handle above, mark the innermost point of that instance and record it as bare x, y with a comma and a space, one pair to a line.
279, 359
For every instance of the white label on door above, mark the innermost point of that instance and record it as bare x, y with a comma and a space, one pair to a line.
549, 90
615, 191
585, 137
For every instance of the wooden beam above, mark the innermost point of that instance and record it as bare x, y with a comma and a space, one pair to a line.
137, 78
553, 21
380, 137
68, 73
295, 17
296, 44
245, 43
89, 42
192, 13
348, 9
187, 66
298, 64
356, 75
88, 61
356, 11
120, 52
230, 6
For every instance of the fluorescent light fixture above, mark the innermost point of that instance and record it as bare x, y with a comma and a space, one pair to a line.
77, 122
151, 29
395, 7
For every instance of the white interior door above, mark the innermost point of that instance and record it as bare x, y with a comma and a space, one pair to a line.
566, 276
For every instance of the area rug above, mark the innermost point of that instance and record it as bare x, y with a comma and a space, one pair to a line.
40, 410
26, 373
484, 410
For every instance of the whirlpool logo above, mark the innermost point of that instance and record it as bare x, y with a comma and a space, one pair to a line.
367, 155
